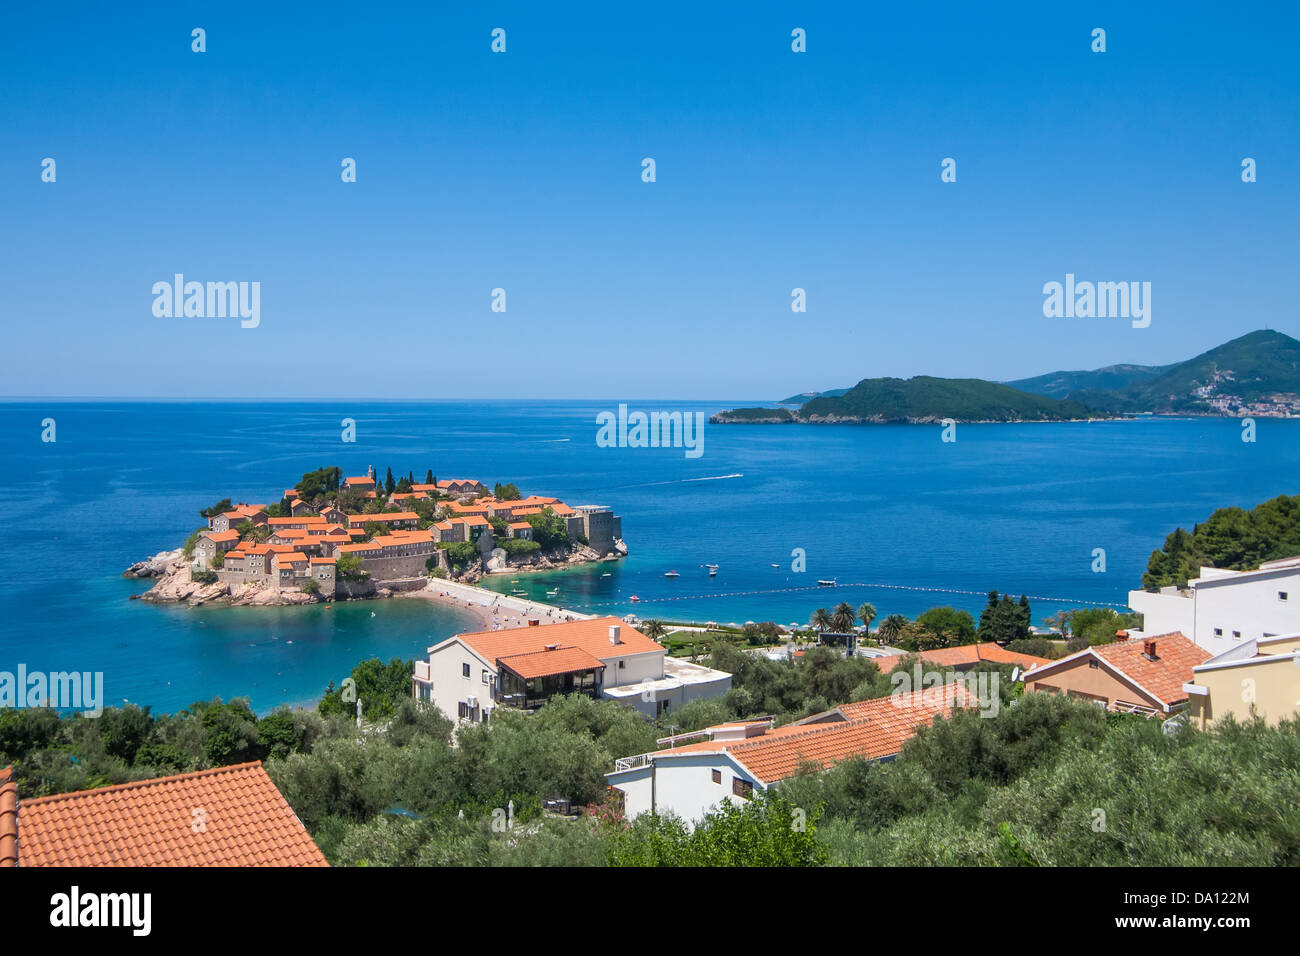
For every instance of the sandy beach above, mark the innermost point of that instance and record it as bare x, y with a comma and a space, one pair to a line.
491, 610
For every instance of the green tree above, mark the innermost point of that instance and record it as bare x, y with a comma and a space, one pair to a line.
867, 614
843, 617
220, 507
821, 620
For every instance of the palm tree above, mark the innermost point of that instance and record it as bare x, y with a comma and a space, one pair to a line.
821, 620
891, 627
867, 612
843, 617
654, 629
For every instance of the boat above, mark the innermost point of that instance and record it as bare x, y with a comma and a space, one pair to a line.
776, 565
712, 567
671, 574
553, 593
519, 593
634, 599
605, 575
826, 584
713, 572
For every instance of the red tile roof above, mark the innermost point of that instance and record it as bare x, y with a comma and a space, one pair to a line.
8, 818
964, 654
1163, 677
228, 816
544, 663
591, 636
876, 728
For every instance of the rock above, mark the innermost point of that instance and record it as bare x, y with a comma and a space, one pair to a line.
157, 566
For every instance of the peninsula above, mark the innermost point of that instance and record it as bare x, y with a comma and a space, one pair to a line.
332, 537
919, 400
1256, 375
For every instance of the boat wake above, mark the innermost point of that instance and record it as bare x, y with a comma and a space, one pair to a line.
682, 481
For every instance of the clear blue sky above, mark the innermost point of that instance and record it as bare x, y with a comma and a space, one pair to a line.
775, 170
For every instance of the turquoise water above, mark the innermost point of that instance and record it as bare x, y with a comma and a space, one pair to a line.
1008, 507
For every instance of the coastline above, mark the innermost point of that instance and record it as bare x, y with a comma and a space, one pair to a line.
491, 608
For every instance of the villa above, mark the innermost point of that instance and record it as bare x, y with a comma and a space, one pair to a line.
729, 762
1222, 608
1258, 677
470, 675
1129, 676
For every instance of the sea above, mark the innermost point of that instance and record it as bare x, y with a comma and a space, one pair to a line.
1066, 513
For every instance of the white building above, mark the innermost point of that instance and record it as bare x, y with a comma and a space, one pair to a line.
1220, 609
689, 779
470, 675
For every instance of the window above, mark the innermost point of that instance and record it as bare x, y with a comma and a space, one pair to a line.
464, 670
485, 676
1236, 633
1282, 595
621, 664
717, 776
1218, 632
1094, 663
463, 709
742, 788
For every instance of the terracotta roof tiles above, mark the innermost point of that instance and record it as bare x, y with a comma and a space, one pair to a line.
228, 816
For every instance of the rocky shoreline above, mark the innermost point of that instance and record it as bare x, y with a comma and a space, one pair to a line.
173, 584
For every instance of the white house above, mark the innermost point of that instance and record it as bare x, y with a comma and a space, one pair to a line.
735, 759
470, 675
1220, 609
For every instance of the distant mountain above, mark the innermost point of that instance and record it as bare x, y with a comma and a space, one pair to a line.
807, 396
1108, 379
918, 400
1242, 375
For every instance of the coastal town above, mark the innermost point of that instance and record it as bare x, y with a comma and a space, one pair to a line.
333, 537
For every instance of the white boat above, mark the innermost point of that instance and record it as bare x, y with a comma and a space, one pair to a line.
671, 574
826, 584
553, 593
605, 575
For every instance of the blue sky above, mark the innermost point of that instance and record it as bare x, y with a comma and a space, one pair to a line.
522, 170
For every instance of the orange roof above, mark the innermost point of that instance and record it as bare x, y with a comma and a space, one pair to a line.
231, 535
423, 487
294, 558
234, 553
8, 818
964, 654
228, 816
591, 636
519, 525
561, 509
876, 728
323, 560
1163, 677
546, 663
300, 520
474, 521
359, 480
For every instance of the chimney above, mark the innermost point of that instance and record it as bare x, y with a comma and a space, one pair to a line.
615, 634
1121, 635
552, 647
1149, 650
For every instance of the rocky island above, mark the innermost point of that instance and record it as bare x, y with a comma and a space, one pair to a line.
332, 538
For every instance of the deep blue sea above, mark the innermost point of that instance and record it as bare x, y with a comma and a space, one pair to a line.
887, 511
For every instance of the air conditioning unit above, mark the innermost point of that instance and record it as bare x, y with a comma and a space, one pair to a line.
473, 702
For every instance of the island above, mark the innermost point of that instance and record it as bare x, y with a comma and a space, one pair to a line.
332, 538
919, 400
